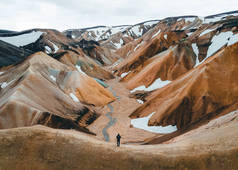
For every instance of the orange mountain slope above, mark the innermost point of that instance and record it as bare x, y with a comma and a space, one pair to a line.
208, 88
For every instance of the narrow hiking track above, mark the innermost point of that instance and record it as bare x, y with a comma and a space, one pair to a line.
112, 120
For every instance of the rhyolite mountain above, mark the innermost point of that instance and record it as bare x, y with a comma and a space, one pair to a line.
169, 84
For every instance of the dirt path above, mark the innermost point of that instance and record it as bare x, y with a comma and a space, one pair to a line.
112, 120
106, 128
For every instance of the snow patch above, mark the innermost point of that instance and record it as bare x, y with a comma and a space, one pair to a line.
218, 18
53, 78
215, 19
1, 72
116, 63
74, 97
100, 32
23, 39
207, 31
142, 123
73, 36
233, 39
90, 34
140, 101
151, 23
165, 36
158, 83
119, 45
48, 50
189, 33
129, 52
218, 41
138, 45
56, 48
156, 34
189, 19
126, 35
124, 74
136, 30
5, 84
80, 70
115, 30
196, 51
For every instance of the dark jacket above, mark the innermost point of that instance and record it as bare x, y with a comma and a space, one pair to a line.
118, 136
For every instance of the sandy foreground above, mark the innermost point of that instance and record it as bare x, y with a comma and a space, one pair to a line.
212, 146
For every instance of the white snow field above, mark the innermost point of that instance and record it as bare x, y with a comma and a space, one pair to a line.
158, 83
142, 123
23, 39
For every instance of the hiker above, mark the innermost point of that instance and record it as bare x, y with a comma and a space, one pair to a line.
118, 139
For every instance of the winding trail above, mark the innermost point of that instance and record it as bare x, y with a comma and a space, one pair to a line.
112, 120
114, 93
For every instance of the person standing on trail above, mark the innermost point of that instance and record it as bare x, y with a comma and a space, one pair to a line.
118, 139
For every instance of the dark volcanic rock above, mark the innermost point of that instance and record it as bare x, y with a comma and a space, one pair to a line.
10, 54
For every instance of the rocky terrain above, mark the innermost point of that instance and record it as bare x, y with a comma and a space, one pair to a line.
169, 87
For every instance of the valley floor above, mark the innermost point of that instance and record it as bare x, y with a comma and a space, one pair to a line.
122, 108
